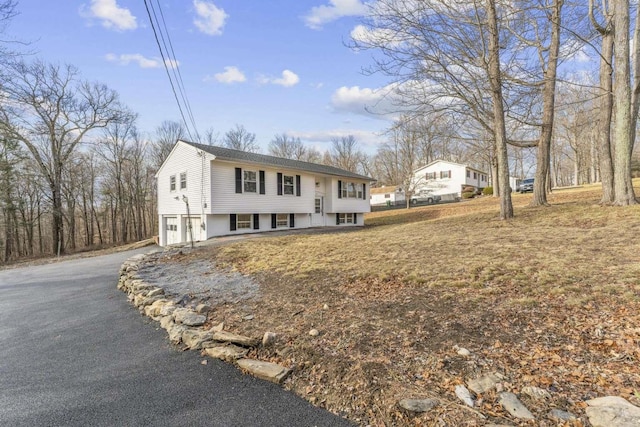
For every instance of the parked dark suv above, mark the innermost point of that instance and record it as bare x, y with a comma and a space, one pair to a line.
526, 185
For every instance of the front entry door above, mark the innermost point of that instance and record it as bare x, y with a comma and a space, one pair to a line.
317, 218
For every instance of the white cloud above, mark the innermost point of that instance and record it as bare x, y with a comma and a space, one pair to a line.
141, 60
210, 18
367, 36
288, 79
377, 103
111, 15
322, 138
229, 75
320, 15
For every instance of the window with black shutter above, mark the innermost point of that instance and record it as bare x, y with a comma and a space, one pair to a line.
256, 221
273, 221
262, 187
232, 222
292, 220
339, 189
238, 180
298, 193
279, 184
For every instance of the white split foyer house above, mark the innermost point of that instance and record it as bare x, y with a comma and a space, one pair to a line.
448, 179
206, 191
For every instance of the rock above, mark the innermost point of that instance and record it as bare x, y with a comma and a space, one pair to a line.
166, 322
463, 352
314, 332
188, 317
485, 383
175, 333
219, 327
463, 394
193, 338
265, 370
227, 352
561, 415
325, 307
612, 411
512, 405
536, 393
235, 339
204, 362
203, 308
155, 292
268, 338
167, 309
248, 317
418, 405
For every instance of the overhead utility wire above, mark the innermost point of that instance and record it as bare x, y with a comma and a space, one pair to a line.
176, 71
155, 34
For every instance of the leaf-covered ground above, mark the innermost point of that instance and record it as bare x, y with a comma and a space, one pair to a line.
549, 299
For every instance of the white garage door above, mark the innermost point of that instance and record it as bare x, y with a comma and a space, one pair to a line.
195, 229
172, 230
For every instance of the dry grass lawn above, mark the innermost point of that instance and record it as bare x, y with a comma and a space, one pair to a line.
548, 299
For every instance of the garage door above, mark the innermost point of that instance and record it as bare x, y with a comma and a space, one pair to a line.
195, 229
172, 230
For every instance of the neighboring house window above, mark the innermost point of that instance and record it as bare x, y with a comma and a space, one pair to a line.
288, 184
282, 220
475, 175
172, 183
431, 175
468, 174
484, 177
243, 221
250, 181
345, 218
445, 174
387, 196
359, 188
183, 180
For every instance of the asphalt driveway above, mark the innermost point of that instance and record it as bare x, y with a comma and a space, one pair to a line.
74, 352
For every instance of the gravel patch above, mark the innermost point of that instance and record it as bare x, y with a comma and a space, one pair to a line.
180, 273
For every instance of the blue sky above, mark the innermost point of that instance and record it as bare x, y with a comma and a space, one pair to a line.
273, 66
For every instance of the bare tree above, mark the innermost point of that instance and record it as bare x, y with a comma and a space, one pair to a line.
287, 147
346, 154
166, 136
50, 110
241, 139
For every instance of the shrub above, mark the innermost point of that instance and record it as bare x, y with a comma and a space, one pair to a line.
468, 195
487, 191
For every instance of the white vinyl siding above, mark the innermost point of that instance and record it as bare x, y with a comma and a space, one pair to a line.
226, 200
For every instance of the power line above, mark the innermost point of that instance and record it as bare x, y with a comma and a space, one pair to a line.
171, 80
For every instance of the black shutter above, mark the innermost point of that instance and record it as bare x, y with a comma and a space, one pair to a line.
338, 217
232, 222
273, 221
256, 221
262, 189
238, 180
355, 218
297, 185
339, 189
279, 184
364, 191
292, 220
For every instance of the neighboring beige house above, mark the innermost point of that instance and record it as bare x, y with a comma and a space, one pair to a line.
206, 191
387, 195
447, 179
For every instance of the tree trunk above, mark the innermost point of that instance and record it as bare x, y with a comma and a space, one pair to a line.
500, 131
624, 125
606, 108
543, 156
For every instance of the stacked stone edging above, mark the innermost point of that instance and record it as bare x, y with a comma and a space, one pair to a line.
186, 325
